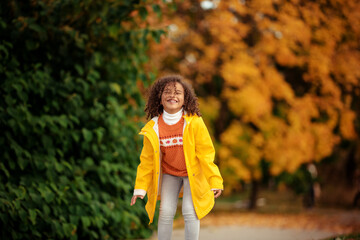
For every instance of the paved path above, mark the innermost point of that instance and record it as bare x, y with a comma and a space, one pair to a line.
253, 233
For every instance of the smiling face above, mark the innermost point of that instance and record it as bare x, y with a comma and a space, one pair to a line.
172, 97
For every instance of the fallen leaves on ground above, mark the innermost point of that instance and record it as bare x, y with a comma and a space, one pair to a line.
340, 222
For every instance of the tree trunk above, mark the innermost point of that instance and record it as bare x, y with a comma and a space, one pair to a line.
253, 194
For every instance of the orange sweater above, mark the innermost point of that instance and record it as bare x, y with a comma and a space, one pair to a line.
171, 146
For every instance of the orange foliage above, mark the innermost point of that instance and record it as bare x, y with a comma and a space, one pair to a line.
287, 72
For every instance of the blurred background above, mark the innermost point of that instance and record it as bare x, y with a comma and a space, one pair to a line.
278, 85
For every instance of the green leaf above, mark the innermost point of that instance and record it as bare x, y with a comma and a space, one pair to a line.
32, 216
79, 69
49, 196
89, 162
85, 222
67, 164
58, 229
87, 135
113, 31
4, 50
31, 45
63, 121
2, 24
156, 34
75, 136
46, 141
3, 168
46, 209
36, 27
157, 10
68, 229
143, 13
59, 167
116, 88
100, 134
23, 162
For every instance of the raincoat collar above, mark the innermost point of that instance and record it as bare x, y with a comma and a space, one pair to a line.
153, 124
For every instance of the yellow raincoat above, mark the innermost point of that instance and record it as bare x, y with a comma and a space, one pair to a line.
199, 153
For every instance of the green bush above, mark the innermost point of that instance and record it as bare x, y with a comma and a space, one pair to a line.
69, 145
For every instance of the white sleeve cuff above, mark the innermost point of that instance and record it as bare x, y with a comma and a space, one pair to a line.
140, 192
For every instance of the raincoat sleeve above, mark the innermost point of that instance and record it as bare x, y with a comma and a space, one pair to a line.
145, 169
205, 152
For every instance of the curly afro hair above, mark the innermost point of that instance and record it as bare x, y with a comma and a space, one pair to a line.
154, 107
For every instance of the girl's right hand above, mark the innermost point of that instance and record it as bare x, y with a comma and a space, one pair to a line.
133, 199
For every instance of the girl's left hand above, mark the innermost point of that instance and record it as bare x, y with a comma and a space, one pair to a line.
217, 193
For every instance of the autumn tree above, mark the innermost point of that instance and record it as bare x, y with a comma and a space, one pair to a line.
278, 80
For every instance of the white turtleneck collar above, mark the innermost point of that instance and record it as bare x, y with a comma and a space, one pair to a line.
171, 119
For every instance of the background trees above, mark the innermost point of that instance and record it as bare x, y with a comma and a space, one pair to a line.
279, 80
70, 109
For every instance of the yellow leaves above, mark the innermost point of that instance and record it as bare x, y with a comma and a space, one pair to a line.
231, 32
246, 96
239, 70
336, 27
288, 149
240, 154
346, 68
263, 6
347, 128
231, 136
233, 170
351, 11
275, 170
178, 29
312, 14
290, 10
258, 140
250, 53
330, 88
285, 57
325, 141
224, 153
205, 64
322, 36
235, 5
291, 36
302, 140
239, 169
319, 62
278, 87
295, 32
271, 125
210, 107
250, 102
268, 44
302, 111
254, 156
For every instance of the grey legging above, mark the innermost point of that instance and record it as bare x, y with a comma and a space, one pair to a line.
170, 188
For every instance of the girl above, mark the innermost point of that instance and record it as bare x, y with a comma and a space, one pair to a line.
177, 158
